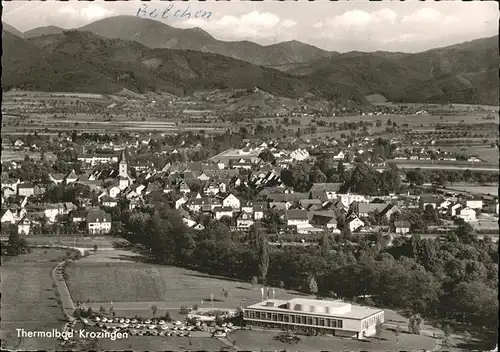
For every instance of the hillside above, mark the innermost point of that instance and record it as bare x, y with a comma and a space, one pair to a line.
465, 73
39, 31
155, 34
11, 29
82, 61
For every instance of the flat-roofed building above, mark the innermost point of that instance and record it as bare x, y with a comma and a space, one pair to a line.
325, 316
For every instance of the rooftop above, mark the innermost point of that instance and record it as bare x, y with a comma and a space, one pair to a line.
333, 308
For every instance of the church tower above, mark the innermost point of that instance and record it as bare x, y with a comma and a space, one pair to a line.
123, 166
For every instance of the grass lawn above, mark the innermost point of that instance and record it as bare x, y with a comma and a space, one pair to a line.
28, 300
491, 190
161, 343
79, 241
167, 287
264, 340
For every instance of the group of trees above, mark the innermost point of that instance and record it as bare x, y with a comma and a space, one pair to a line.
454, 277
443, 177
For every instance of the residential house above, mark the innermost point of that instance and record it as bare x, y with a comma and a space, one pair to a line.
109, 202
184, 188
26, 189
467, 214
57, 178
220, 212
244, 221
98, 222
180, 201
390, 210
152, 187
10, 183
426, 200
193, 224
354, 223
7, 216
196, 204
8, 192
349, 198
366, 209
258, 210
299, 154
113, 191
297, 217
474, 204
324, 219
247, 207
211, 188
232, 202
93, 160
339, 156
72, 177
280, 205
24, 225
402, 227
454, 209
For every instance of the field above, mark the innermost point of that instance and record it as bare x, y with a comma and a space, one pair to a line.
489, 190
28, 299
486, 153
248, 340
132, 287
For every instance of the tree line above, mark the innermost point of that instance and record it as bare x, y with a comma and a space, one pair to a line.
453, 277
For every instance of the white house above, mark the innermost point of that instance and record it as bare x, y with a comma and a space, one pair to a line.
454, 208
402, 227
299, 154
474, 204
339, 156
220, 212
244, 221
354, 223
114, 191
467, 214
8, 217
24, 226
232, 202
212, 189
347, 199
72, 177
179, 202
98, 222
258, 211
297, 218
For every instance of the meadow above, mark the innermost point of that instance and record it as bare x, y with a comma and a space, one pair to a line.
249, 340
28, 299
133, 287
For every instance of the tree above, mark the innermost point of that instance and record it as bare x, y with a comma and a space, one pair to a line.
254, 281
378, 329
154, 309
102, 310
397, 332
264, 260
168, 317
313, 286
17, 244
341, 170
447, 334
95, 247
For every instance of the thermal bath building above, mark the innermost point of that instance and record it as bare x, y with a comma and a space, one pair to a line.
324, 316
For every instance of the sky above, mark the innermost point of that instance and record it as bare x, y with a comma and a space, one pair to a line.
336, 26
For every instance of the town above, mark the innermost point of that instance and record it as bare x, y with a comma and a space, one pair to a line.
165, 189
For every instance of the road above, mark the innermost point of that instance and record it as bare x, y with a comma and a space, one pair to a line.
446, 167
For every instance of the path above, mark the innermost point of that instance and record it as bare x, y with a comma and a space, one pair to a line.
67, 303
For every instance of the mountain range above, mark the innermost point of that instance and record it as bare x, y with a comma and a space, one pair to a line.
141, 54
